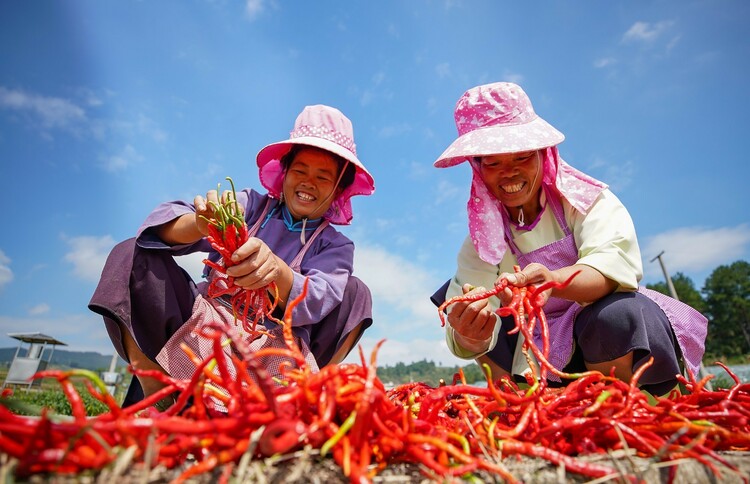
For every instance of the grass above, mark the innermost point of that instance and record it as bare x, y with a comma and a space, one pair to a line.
32, 401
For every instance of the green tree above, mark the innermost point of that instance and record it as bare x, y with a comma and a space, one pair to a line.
727, 296
685, 289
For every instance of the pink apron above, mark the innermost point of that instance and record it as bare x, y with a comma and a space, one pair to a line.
206, 310
688, 324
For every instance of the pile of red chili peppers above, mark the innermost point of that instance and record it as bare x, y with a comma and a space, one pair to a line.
345, 412
227, 232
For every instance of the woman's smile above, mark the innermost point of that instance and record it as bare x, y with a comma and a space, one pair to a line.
513, 188
310, 183
514, 179
305, 197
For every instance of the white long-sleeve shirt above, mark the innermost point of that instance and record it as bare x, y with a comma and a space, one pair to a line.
605, 238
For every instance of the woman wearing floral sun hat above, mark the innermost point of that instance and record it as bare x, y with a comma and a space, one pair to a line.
151, 306
530, 208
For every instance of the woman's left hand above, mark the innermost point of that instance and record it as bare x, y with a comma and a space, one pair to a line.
588, 285
256, 266
532, 275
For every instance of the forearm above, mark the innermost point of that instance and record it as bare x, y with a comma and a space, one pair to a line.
588, 286
284, 282
182, 230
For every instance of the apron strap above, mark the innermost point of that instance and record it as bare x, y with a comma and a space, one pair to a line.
297, 261
254, 229
554, 203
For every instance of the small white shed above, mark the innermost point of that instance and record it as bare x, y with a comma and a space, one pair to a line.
28, 361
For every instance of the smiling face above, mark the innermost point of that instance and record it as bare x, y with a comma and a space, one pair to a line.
310, 183
514, 179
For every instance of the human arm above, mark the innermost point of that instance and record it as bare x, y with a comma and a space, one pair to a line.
254, 264
587, 286
471, 328
193, 226
328, 263
608, 255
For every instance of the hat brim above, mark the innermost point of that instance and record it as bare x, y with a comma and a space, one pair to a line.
275, 151
495, 140
271, 174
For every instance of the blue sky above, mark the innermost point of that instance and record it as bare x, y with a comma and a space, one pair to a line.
109, 108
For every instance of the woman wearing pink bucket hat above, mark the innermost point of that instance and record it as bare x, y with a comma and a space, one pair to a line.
529, 208
151, 306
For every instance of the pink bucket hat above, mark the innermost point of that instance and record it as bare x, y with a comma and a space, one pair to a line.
322, 127
494, 119
498, 118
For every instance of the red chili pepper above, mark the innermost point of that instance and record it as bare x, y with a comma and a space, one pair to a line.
448, 431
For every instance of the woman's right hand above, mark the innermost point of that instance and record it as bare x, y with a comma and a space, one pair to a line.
473, 323
192, 227
204, 208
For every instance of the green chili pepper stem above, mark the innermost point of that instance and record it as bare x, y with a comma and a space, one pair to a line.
234, 197
348, 423
93, 377
603, 396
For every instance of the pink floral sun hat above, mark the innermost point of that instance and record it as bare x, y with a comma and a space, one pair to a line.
498, 118
322, 127
494, 119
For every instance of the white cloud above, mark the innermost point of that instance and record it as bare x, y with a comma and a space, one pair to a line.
443, 70
393, 351
51, 112
39, 309
88, 255
646, 32
121, 161
513, 77
604, 62
418, 170
366, 97
694, 249
253, 8
672, 43
148, 126
6, 275
80, 332
393, 31
617, 175
448, 191
397, 283
394, 130
193, 264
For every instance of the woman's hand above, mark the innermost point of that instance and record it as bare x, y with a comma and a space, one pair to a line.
255, 265
472, 323
531, 276
192, 227
204, 208
588, 285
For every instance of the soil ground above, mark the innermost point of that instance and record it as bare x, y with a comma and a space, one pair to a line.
308, 467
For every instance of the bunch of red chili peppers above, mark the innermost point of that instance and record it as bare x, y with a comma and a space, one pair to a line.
227, 232
344, 411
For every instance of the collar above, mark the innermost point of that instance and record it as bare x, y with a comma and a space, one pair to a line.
485, 212
303, 225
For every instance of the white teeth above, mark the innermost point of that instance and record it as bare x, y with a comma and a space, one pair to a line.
512, 188
305, 197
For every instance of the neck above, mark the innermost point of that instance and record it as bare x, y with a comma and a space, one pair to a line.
294, 224
530, 209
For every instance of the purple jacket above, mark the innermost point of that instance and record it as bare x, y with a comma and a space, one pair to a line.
328, 262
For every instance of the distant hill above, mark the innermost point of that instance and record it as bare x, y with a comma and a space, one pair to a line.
87, 360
